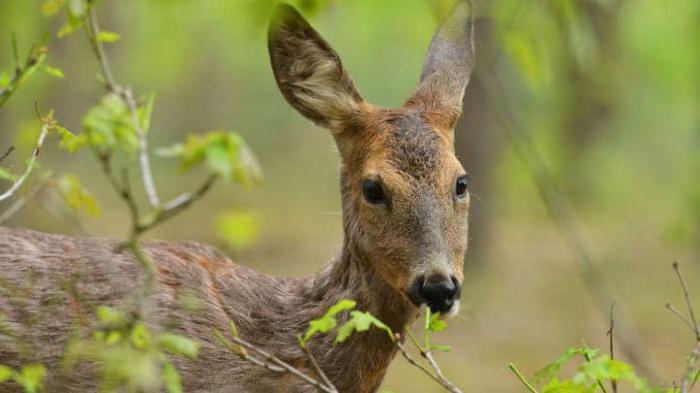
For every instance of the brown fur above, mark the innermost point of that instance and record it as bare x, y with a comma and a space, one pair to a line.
421, 230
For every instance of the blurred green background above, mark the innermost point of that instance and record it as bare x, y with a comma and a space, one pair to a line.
606, 94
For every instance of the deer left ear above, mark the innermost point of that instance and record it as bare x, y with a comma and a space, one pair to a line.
447, 65
309, 72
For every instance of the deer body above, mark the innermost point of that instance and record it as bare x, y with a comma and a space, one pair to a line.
405, 205
268, 311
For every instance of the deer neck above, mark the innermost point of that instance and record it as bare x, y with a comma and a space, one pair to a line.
365, 356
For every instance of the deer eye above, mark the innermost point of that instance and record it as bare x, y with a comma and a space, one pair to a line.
373, 192
461, 186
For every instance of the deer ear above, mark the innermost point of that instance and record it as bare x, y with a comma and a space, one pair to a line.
308, 71
448, 64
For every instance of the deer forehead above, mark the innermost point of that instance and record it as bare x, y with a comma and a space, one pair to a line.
405, 148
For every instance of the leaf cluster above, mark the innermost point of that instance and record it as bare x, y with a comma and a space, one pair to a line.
130, 355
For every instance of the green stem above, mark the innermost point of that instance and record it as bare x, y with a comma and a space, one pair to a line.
522, 379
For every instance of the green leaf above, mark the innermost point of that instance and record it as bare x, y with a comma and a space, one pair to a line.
76, 196
51, 7
218, 160
327, 322
360, 322
31, 378
171, 377
140, 336
436, 324
551, 369
557, 386
7, 175
110, 317
223, 153
108, 36
179, 345
108, 125
53, 71
6, 373
69, 141
238, 229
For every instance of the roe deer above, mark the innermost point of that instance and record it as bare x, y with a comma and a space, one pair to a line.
405, 206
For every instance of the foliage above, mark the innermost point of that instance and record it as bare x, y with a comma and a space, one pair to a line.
130, 355
76, 196
223, 153
30, 378
594, 371
358, 321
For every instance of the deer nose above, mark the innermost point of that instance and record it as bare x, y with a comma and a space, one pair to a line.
440, 292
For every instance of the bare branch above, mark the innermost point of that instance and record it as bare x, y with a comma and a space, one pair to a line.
18, 183
679, 315
19, 203
688, 302
445, 382
271, 362
177, 205
611, 334
7, 153
437, 375
318, 369
413, 361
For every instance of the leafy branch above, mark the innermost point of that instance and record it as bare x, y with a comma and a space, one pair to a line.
126, 94
24, 69
432, 324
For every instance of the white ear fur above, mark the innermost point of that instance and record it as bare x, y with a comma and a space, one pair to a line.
309, 72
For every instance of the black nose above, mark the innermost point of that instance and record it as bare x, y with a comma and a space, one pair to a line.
439, 292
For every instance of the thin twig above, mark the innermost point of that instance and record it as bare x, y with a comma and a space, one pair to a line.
7, 153
92, 29
692, 372
18, 183
289, 368
318, 368
177, 205
611, 333
688, 302
414, 362
20, 202
437, 374
522, 379
680, 315
449, 385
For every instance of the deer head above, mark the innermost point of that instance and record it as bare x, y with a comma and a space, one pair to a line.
405, 194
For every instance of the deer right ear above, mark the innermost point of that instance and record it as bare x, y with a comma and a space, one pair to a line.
448, 64
309, 72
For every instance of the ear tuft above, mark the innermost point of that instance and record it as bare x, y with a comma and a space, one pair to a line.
308, 71
448, 64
